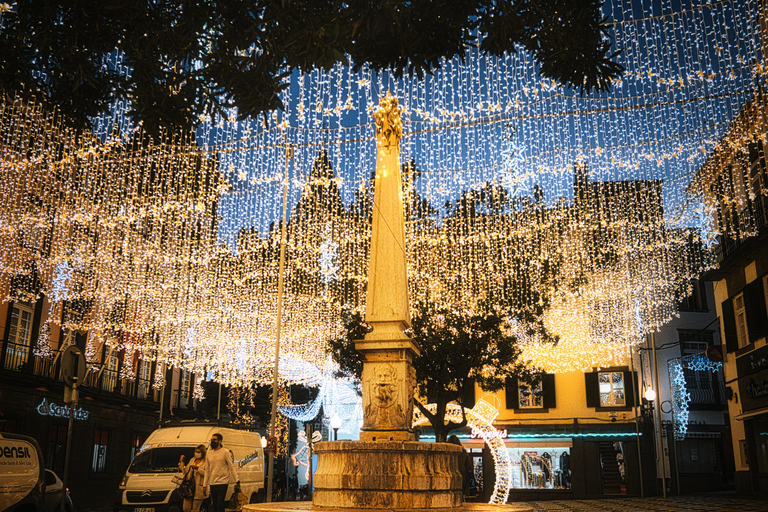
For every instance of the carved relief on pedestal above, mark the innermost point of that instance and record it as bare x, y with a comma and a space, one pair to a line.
384, 408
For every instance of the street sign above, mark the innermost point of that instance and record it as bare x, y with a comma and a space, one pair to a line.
715, 353
73, 366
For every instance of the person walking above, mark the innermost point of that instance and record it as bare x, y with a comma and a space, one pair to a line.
465, 465
219, 472
195, 471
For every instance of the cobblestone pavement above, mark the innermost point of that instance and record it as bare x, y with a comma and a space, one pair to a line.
671, 504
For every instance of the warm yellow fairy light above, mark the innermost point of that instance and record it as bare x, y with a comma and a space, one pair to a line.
148, 246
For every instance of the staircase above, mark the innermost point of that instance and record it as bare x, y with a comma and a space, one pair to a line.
611, 475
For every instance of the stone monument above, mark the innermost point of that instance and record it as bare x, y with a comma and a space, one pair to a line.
387, 468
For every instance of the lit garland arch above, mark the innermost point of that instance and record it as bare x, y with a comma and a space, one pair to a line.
480, 419
681, 397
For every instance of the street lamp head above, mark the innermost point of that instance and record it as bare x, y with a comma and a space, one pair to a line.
650, 395
335, 421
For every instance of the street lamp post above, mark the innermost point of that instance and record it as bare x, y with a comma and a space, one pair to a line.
661, 452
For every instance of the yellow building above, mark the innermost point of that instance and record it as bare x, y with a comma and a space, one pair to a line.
572, 435
734, 184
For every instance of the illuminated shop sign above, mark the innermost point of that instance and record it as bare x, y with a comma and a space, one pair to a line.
566, 435
754, 391
61, 411
476, 434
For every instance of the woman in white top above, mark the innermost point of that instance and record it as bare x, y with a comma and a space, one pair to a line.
220, 471
195, 470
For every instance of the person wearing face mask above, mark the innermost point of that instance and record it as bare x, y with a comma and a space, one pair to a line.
220, 472
195, 470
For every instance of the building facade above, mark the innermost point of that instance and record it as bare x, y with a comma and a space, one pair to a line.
691, 396
114, 416
570, 435
734, 183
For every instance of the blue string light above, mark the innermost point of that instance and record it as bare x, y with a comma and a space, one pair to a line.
681, 397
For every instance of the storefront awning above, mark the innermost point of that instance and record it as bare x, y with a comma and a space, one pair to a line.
750, 414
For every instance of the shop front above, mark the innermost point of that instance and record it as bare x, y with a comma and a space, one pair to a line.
545, 464
104, 437
753, 392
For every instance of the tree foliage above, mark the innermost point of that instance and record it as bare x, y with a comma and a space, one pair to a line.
187, 58
458, 350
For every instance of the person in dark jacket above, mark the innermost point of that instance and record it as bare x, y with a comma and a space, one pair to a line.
465, 464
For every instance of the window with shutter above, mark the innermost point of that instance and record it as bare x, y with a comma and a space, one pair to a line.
611, 386
510, 390
537, 396
530, 396
754, 307
611, 389
593, 390
765, 293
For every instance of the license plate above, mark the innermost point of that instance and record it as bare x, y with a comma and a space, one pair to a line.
151, 509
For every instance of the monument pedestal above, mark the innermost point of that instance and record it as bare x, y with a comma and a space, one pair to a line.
387, 475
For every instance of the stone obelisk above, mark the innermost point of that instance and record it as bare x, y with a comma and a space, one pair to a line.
388, 375
387, 468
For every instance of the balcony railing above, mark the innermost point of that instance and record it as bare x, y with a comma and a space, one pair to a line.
20, 358
143, 389
16, 356
707, 392
108, 381
184, 398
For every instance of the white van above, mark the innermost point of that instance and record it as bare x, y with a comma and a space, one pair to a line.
148, 484
22, 474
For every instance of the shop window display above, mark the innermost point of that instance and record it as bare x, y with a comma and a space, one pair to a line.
547, 467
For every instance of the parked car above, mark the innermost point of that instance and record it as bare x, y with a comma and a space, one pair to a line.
22, 474
54, 488
148, 483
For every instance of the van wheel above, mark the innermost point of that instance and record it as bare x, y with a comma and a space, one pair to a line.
257, 497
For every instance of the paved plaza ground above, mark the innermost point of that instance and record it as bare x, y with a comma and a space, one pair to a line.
672, 504
705, 503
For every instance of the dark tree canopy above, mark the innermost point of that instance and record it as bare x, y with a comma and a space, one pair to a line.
191, 57
457, 351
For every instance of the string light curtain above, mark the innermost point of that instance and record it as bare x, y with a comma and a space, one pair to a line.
571, 210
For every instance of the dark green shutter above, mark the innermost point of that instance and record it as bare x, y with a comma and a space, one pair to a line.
511, 392
37, 316
548, 388
754, 306
630, 387
729, 326
593, 390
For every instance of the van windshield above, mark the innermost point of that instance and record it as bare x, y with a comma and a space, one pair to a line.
161, 460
